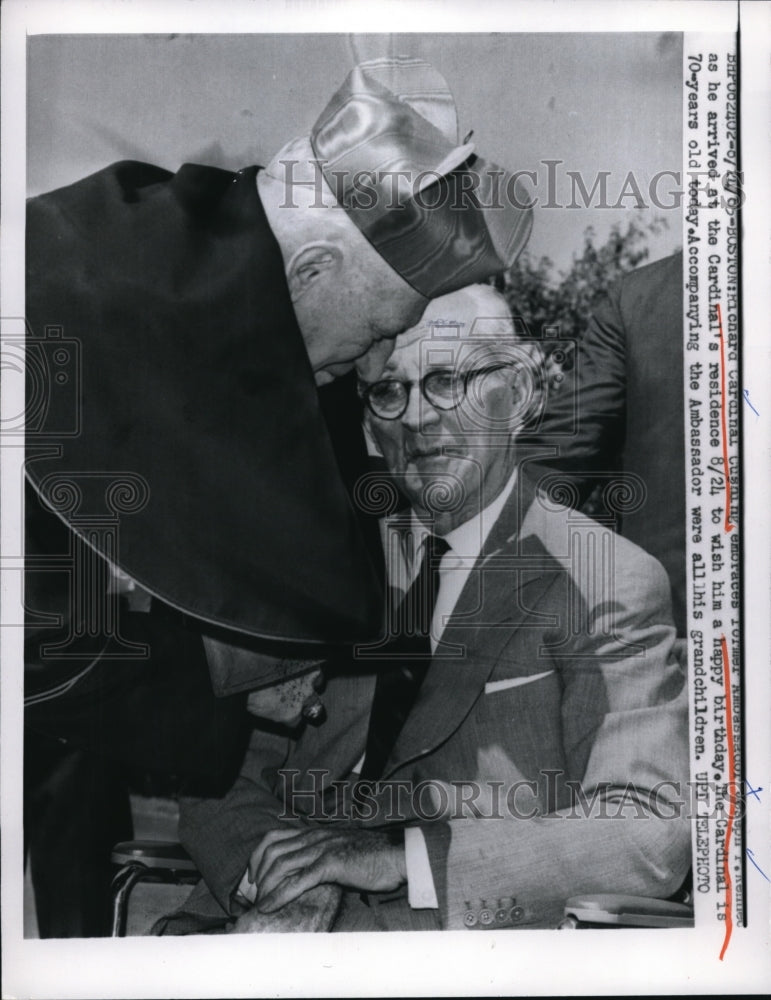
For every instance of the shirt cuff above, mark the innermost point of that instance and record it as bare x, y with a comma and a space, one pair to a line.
246, 893
421, 893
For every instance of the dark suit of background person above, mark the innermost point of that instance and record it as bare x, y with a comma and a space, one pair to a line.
568, 674
171, 389
627, 387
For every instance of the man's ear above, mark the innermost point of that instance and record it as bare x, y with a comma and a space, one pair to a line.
310, 263
531, 383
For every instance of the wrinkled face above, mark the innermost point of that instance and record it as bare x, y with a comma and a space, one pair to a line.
348, 324
466, 449
349, 303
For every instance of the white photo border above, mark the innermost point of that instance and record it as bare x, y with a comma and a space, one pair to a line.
449, 963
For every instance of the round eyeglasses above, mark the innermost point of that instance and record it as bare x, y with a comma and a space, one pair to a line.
444, 389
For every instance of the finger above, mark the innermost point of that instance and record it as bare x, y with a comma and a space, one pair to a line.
277, 847
294, 886
287, 864
271, 837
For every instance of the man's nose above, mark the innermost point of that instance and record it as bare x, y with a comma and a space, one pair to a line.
420, 414
370, 365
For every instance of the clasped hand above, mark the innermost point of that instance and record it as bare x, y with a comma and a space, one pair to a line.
287, 863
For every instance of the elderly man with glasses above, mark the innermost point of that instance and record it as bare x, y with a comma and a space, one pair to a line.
519, 733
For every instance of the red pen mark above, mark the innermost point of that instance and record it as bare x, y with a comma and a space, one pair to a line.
727, 526
732, 798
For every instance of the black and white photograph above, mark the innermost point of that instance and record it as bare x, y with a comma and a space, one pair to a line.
377, 403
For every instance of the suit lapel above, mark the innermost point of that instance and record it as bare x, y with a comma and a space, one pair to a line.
512, 567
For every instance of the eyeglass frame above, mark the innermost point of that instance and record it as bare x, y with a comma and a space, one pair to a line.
365, 388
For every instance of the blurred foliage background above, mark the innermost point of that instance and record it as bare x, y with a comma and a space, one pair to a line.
554, 304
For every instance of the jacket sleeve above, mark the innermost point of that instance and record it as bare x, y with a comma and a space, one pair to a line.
627, 828
221, 833
283, 781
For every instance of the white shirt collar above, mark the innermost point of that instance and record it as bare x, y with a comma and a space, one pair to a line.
468, 538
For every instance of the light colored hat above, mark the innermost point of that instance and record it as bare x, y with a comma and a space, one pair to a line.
388, 147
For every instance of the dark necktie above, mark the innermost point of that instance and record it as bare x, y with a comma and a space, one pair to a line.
399, 681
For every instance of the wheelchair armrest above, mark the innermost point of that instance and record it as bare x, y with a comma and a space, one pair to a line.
154, 861
617, 910
156, 854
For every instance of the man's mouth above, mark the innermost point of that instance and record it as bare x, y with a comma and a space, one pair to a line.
425, 452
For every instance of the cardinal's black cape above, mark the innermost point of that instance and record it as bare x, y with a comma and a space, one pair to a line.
174, 426
187, 403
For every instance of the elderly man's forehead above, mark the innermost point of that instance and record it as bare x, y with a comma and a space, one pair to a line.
426, 352
465, 306
454, 326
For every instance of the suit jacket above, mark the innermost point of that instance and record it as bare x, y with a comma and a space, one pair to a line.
566, 674
626, 390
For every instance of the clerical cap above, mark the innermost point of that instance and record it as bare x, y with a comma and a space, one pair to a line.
439, 214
